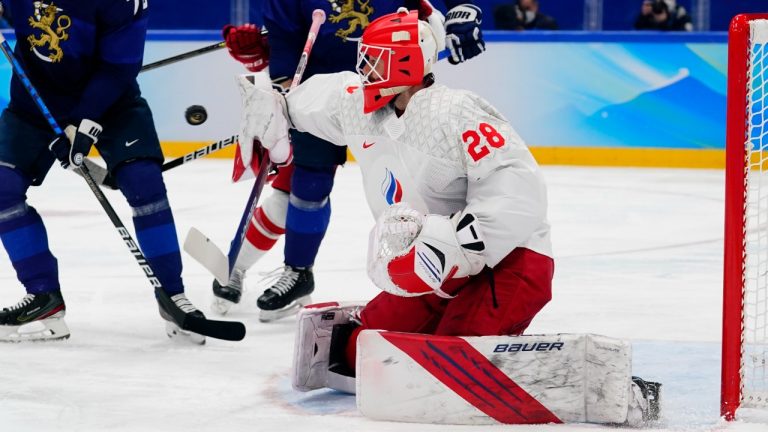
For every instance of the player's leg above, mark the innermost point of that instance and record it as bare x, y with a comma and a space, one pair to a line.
309, 211
263, 231
501, 301
130, 146
25, 160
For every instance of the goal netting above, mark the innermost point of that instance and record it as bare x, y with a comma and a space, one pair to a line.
745, 299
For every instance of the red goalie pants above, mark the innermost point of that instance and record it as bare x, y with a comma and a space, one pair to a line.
522, 286
282, 181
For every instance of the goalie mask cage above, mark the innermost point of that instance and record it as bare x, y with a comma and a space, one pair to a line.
745, 276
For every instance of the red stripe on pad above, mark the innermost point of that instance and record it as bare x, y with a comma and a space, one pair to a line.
468, 373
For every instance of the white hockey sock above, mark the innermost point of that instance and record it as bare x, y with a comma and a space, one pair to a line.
265, 227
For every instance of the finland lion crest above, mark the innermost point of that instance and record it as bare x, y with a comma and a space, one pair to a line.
356, 12
53, 31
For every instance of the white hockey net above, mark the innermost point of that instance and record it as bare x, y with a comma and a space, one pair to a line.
754, 367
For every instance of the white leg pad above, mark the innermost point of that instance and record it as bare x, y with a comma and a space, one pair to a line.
560, 378
313, 343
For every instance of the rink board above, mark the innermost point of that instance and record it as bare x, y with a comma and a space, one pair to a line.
561, 378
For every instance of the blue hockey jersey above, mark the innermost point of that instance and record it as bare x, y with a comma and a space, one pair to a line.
335, 49
83, 56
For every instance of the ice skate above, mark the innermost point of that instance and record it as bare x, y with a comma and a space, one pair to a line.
652, 393
226, 296
291, 291
172, 328
36, 317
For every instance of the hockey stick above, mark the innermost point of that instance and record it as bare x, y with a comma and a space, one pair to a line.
200, 153
205, 251
227, 330
188, 55
183, 56
105, 179
202, 249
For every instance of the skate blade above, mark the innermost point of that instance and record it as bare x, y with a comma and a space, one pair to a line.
177, 334
221, 306
291, 309
52, 328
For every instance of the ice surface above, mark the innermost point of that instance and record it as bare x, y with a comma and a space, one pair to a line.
638, 256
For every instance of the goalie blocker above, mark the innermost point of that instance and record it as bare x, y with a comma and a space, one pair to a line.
559, 378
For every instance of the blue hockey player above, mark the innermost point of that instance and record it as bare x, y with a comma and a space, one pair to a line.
83, 57
299, 206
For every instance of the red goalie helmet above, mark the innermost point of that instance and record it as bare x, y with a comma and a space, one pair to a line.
396, 52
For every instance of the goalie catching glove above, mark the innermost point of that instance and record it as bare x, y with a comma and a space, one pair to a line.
411, 254
73, 145
264, 119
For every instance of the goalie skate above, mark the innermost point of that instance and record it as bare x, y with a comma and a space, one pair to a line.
37, 317
172, 329
651, 395
226, 296
288, 295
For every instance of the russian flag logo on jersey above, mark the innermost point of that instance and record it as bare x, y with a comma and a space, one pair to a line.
391, 189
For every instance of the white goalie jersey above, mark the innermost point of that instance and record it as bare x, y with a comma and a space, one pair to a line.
449, 152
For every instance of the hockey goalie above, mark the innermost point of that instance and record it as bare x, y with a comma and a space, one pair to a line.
461, 250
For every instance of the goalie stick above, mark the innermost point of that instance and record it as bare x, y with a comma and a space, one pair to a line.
228, 330
200, 247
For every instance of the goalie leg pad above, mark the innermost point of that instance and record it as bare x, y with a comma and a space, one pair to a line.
493, 379
312, 348
341, 376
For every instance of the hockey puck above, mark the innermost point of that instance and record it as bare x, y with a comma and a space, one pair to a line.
196, 115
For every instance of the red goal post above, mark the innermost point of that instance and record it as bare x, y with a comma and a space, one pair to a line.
745, 277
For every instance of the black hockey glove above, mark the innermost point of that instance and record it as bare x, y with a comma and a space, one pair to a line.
464, 39
72, 146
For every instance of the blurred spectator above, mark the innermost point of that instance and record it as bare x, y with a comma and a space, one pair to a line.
663, 15
522, 15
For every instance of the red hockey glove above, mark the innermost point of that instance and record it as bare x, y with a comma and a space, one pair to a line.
247, 45
425, 9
